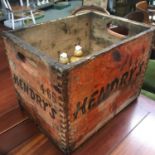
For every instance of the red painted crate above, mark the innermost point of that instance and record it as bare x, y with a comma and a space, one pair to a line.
71, 102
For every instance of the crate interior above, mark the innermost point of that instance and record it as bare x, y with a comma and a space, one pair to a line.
89, 30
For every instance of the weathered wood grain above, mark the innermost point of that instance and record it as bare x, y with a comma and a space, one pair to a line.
15, 135
11, 119
8, 99
106, 140
57, 36
106, 81
38, 144
139, 141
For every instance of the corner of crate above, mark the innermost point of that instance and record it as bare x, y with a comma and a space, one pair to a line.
68, 149
66, 144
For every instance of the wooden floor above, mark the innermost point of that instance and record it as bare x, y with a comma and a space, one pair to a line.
132, 132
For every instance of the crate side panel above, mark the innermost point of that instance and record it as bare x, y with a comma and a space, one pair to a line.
59, 36
100, 88
134, 28
35, 82
100, 36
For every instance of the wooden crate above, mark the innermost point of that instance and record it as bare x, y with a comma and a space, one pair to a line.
71, 102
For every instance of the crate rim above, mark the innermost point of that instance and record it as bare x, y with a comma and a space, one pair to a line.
61, 67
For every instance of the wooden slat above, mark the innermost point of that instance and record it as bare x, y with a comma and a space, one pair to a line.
140, 141
11, 119
7, 92
15, 127
37, 145
16, 135
101, 143
3, 58
114, 132
8, 99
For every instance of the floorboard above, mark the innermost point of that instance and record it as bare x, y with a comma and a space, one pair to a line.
115, 138
36, 145
16, 136
140, 141
115, 131
7, 92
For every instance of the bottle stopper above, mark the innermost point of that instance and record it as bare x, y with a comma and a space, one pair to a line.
63, 58
78, 48
78, 51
